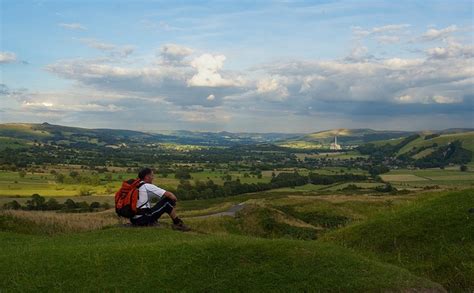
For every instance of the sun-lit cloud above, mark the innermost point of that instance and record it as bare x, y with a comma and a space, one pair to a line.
7, 57
208, 75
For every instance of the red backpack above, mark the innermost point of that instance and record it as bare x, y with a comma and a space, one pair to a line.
126, 198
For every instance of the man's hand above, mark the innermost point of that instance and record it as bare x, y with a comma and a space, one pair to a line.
171, 196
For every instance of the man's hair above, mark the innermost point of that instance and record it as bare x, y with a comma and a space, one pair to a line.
144, 172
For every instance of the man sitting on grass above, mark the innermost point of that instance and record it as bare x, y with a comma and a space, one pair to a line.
149, 215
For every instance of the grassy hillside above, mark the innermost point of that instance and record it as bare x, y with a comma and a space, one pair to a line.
467, 139
432, 238
344, 136
126, 259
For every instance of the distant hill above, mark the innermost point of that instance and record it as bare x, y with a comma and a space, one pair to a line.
46, 132
345, 136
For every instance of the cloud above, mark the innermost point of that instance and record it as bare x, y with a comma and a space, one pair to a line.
114, 50
437, 99
194, 90
208, 67
173, 54
93, 43
154, 79
52, 107
451, 50
272, 89
7, 57
387, 29
384, 39
72, 26
434, 34
359, 54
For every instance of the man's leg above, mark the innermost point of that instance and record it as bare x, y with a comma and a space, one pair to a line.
165, 205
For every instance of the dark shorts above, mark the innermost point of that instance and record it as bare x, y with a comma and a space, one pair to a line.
151, 216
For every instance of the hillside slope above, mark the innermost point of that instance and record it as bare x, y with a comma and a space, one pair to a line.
433, 238
345, 136
158, 259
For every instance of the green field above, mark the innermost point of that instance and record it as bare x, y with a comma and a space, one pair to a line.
447, 178
12, 184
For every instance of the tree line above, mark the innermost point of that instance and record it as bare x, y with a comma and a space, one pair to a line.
39, 203
209, 189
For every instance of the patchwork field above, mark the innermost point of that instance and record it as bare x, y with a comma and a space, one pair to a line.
430, 177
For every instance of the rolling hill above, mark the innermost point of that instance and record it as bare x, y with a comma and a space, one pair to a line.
46, 132
345, 137
432, 237
125, 259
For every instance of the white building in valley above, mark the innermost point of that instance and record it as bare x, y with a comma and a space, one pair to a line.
334, 146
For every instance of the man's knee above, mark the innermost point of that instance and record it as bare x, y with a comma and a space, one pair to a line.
172, 202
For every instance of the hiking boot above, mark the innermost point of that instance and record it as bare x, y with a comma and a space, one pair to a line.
180, 227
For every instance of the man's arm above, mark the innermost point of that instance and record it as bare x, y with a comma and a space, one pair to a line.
170, 195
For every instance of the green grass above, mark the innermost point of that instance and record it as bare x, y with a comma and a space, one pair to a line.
467, 139
448, 178
11, 184
158, 259
432, 237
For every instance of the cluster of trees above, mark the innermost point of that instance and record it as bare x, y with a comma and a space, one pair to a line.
39, 203
320, 179
387, 150
453, 153
209, 189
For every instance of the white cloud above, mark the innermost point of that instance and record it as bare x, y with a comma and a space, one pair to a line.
89, 107
359, 54
208, 75
387, 29
115, 51
7, 57
446, 100
271, 89
173, 54
93, 43
176, 50
72, 26
434, 34
211, 97
423, 99
451, 50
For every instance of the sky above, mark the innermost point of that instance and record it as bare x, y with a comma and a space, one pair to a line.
239, 66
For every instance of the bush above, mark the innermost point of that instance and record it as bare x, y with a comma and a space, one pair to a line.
95, 205
12, 205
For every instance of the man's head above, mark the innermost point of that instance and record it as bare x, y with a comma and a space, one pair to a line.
146, 175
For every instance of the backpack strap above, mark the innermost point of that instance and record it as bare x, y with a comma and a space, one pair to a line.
138, 187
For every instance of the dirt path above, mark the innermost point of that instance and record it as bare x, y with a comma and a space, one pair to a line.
230, 212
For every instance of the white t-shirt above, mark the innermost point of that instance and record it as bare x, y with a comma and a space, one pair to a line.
146, 193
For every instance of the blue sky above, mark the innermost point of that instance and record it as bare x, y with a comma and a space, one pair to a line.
256, 66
